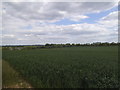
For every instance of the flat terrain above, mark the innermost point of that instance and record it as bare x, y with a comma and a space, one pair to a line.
75, 67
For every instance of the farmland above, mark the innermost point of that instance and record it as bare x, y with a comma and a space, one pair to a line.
68, 67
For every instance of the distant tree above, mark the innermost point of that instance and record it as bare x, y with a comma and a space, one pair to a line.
78, 44
47, 44
113, 43
73, 44
68, 44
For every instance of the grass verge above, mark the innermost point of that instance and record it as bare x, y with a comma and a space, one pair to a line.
11, 78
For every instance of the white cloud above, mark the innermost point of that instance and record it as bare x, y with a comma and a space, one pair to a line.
8, 35
111, 16
77, 17
17, 17
110, 20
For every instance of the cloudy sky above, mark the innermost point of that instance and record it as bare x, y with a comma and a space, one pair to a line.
59, 22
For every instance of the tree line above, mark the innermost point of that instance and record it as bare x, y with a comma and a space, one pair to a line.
78, 44
47, 45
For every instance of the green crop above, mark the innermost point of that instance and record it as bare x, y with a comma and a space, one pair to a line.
72, 67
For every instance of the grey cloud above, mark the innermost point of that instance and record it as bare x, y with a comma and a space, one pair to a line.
82, 32
50, 11
97, 6
30, 11
57, 38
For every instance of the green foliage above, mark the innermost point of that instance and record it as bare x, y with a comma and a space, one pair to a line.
74, 67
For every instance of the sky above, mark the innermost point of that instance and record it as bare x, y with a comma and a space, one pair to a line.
30, 23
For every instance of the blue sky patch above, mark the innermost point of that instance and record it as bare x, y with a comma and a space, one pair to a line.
93, 18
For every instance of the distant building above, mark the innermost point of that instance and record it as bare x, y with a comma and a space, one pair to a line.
19, 48
10, 48
15, 48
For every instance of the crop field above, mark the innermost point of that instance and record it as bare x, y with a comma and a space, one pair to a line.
69, 67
